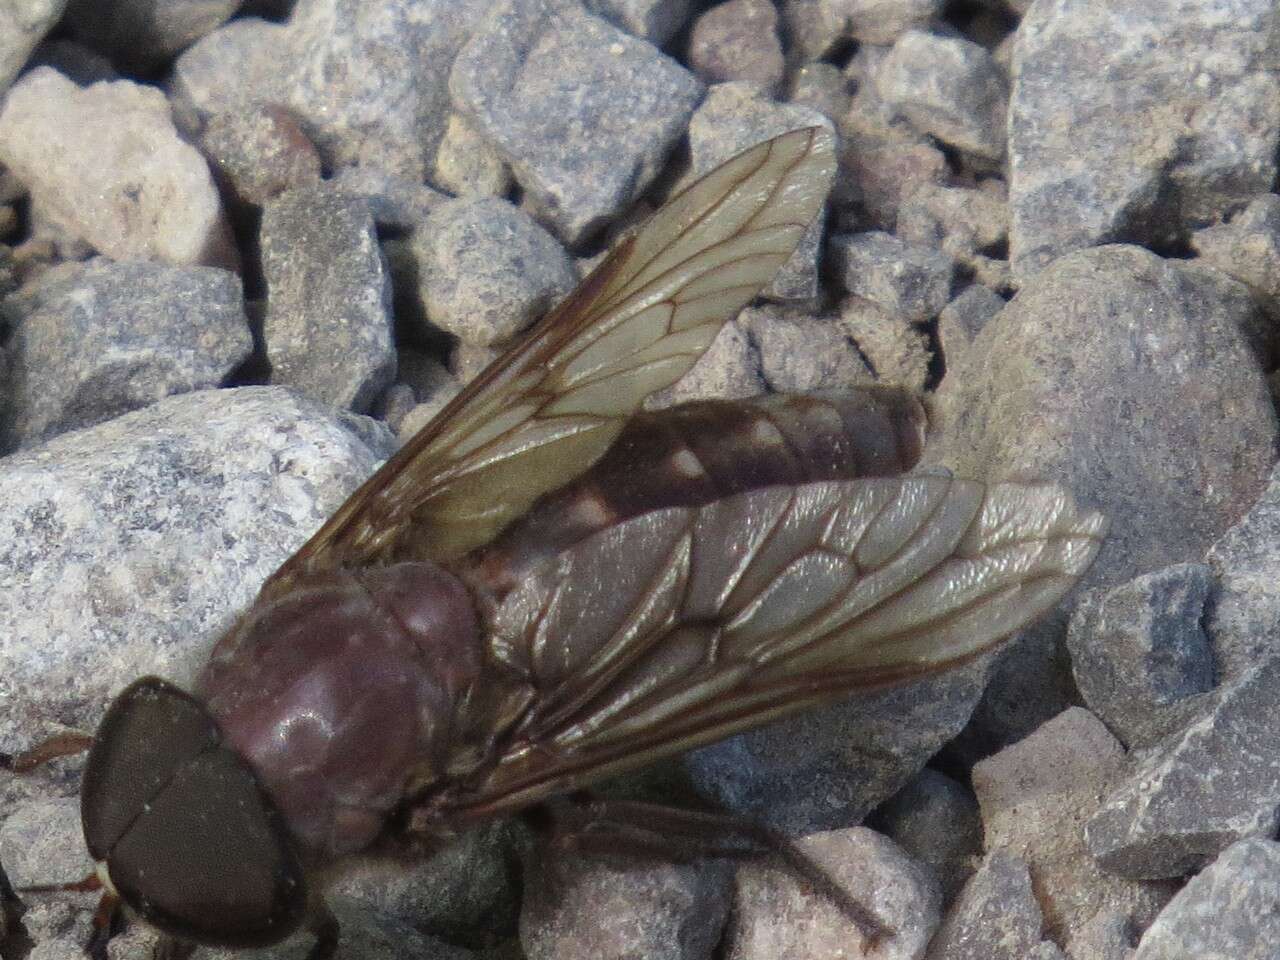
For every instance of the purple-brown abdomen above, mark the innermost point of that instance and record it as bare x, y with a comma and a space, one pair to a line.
341, 694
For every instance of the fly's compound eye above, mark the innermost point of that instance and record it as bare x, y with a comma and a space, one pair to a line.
187, 836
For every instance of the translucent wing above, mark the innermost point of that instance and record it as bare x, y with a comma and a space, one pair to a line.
686, 625
546, 410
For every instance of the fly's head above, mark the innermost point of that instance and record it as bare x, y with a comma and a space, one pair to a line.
179, 827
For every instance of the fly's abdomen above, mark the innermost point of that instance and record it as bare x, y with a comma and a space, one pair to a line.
690, 455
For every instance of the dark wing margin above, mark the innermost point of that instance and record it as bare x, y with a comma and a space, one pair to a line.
686, 625
547, 409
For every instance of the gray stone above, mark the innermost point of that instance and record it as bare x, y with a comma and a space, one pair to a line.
367, 77
776, 918
260, 152
829, 767
1116, 137
935, 820
879, 170
1231, 911
245, 61
486, 270
1246, 247
733, 117
963, 318
581, 907
1037, 395
895, 349
1244, 611
365, 935
1189, 798
1138, 651
107, 165
823, 87
654, 20
397, 204
995, 918
912, 281
1039, 392
92, 341
1107, 936
128, 547
23, 24
817, 26
1258, 317
462, 893
1036, 797
328, 322
949, 88
141, 34
738, 40
42, 841
728, 370
801, 353
583, 113
467, 165
964, 223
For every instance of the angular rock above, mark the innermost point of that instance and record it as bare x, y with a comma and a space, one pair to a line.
896, 350
397, 205
801, 353
1247, 246
1116, 138
466, 164
1244, 612
1036, 797
328, 322
821, 86
733, 117
728, 370
366, 935
1189, 798
260, 152
127, 547
1231, 911
582, 907
775, 918
368, 77
963, 318
23, 24
817, 26
963, 223
583, 113
995, 918
1138, 651
829, 767
912, 281
95, 340
654, 20
463, 892
879, 171
107, 165
486, 270
141, 34
950, 88
738, 40
935, 820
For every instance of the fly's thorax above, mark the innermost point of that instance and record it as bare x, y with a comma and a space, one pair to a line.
341, 695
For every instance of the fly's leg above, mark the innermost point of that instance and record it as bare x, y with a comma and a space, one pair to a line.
108, 920
634, 829
59, 745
